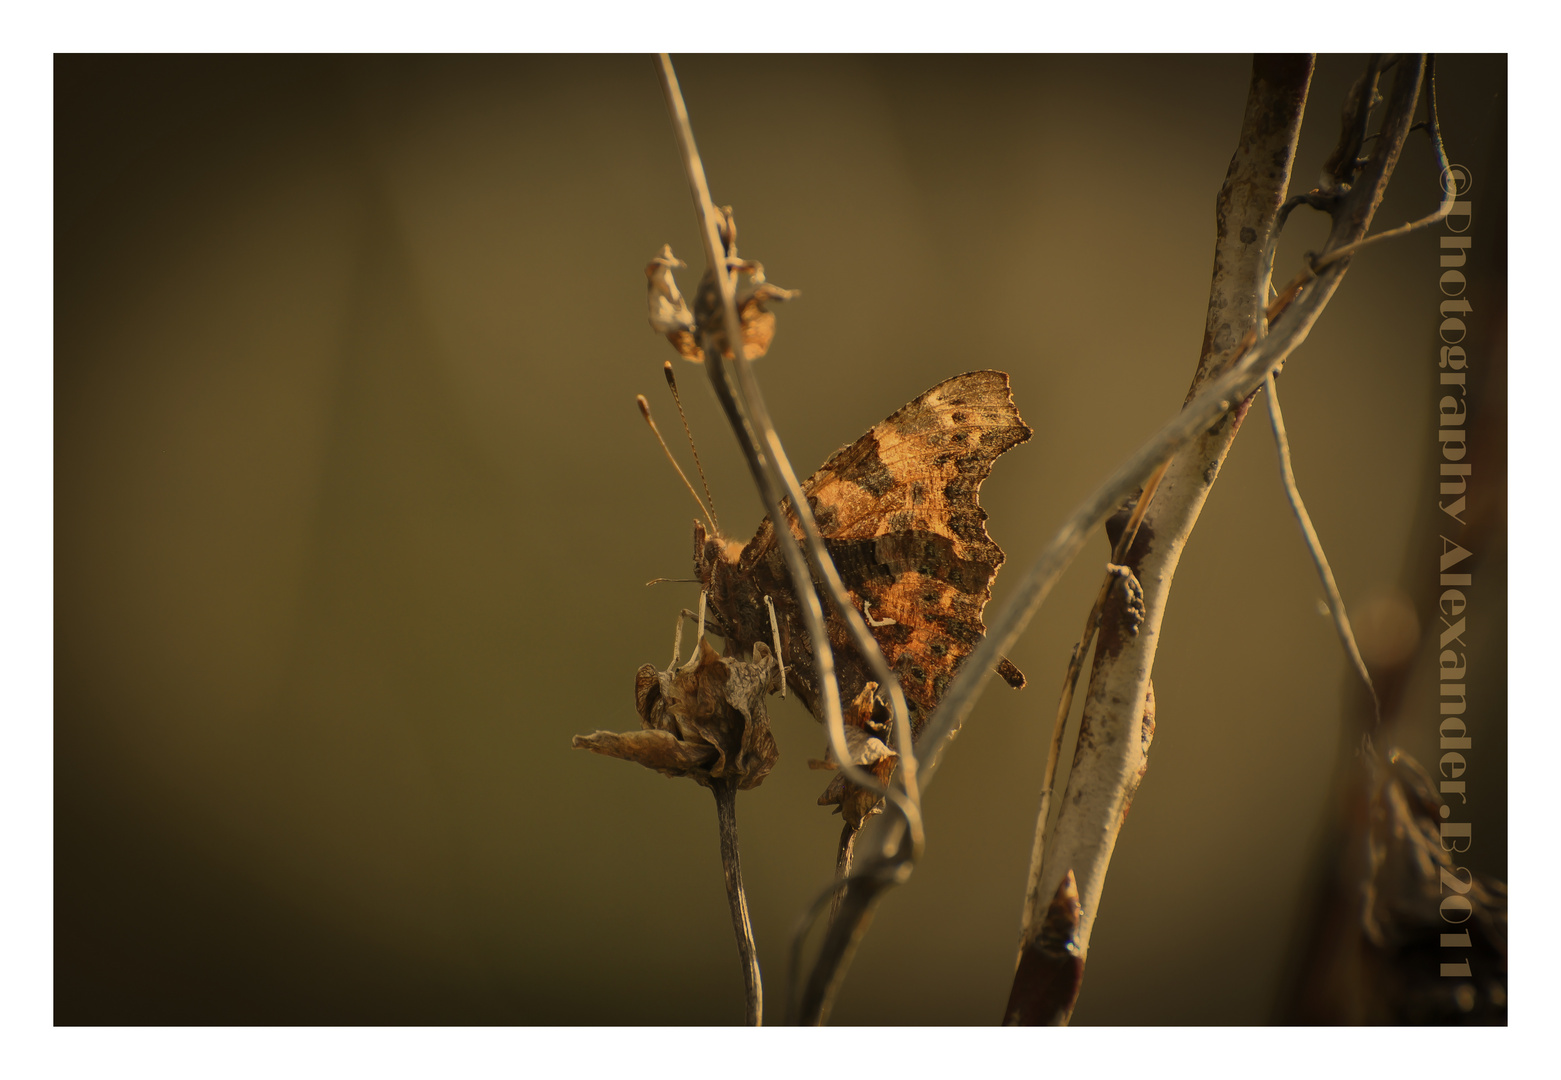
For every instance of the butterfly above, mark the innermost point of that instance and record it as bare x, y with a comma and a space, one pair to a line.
899, 515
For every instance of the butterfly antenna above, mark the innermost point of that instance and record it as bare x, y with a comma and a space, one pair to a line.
645, 412
672, 383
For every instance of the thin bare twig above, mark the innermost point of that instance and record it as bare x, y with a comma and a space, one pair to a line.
715, 256
1341, 619
1276, 418
1106, 770
1449, 189
867, 884
1292, 491
1020, 607
843, 854
749, 417
1225, 381
776, 480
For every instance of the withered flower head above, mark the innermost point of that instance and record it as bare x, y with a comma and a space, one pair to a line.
670, 316
705, 720
866, 727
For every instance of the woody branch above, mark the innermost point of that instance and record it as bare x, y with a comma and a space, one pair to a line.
1244, 369
1070, 865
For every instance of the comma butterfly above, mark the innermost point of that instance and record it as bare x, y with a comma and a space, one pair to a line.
899, 515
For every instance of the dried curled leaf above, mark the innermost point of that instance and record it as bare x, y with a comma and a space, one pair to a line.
659, 750
702, 721
866, 725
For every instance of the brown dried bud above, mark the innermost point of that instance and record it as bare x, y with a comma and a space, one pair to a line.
670, 316
754, 294
865, 726
706, 721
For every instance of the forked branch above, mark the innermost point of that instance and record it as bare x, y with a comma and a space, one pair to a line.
1110, 756
1066, 890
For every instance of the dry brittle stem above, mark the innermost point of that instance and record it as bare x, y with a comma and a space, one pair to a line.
1336, 608
1110, 757
735, 386
1070, 678
1119, 555
1341, 618
1111, 751
715, 257
1230, 374
875, 875
1449, 189
776, 480
1246, 371
725, 790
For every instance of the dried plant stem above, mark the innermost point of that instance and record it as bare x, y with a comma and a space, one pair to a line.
867, 884
1113, 732
735, 387
852, 915
732, 378
1341, 618
1119, 556
1449, 190
731, 867
1070, 679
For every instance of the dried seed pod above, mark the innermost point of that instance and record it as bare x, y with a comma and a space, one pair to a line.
670, 315
705, 720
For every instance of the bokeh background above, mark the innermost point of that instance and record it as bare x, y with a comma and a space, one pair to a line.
355, 514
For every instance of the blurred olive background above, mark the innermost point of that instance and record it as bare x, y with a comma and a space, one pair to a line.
355, 515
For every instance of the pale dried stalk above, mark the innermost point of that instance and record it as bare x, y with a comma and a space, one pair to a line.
742, 424
1336, 608
1075, 667
867, 884
1110, 755
776, 480
1248, 208
1341, 618
1214, 398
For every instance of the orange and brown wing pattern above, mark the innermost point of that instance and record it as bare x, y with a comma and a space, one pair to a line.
899, 514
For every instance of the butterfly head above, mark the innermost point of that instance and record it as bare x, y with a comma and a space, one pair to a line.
710, 550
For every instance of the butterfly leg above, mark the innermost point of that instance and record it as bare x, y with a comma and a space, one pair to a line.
780, 657
677, 638
677, 633
693, 659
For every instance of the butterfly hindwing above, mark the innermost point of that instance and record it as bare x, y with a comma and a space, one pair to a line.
899, 514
